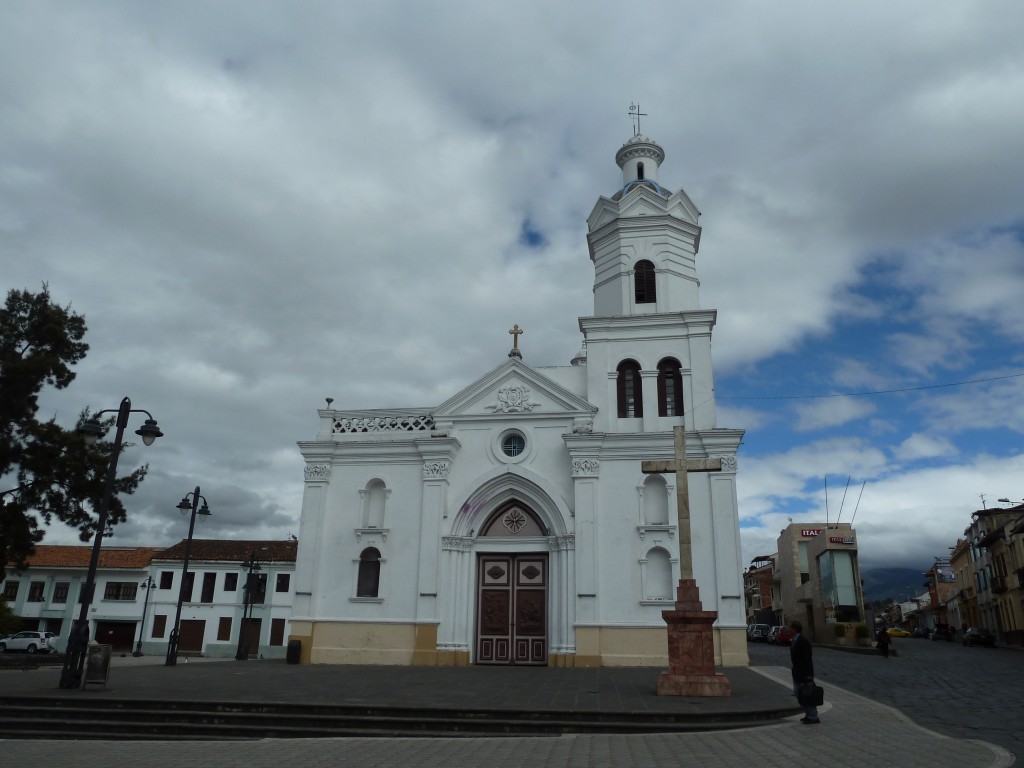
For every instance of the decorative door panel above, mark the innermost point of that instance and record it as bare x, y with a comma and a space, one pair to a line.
512, 605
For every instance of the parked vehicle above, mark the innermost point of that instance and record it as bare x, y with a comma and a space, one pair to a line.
784, 636
943, 633
759, 633
921, 632
30, 642
897, 632
979, 636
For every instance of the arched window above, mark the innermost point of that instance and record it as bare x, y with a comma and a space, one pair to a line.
643, 283
369, 573
631, 398
670, 388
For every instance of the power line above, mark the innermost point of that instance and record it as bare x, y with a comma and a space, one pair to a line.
872, 392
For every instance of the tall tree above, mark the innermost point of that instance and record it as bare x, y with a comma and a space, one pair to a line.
47, 472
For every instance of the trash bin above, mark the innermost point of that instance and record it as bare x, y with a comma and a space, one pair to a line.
294, 651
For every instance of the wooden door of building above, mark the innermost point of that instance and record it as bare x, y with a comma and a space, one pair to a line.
190, 635
512, 609
118, 634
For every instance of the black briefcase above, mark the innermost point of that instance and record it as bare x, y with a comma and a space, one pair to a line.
810, 695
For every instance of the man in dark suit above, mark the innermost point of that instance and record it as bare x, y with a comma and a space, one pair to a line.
803, 668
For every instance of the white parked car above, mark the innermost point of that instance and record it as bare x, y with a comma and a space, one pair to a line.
30, 642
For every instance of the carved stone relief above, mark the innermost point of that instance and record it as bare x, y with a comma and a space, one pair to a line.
585, 467
436, 470
318, 472
513, 398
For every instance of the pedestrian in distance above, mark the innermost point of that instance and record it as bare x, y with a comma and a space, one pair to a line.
883, 642
803, 669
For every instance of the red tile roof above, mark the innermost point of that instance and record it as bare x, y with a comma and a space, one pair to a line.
71, 556
232, 551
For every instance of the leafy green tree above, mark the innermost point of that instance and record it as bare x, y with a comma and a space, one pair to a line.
50, 472
9, 623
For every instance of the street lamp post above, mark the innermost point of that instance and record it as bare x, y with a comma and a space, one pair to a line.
243, 639
147, 585
184, 506
92, 430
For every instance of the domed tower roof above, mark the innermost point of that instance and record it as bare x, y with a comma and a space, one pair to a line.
639, 158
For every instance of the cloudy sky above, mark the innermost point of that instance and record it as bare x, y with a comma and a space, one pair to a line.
257, 205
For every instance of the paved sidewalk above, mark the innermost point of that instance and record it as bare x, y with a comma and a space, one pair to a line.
854, 732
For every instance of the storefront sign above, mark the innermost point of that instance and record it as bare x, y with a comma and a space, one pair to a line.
840, 539
810, 531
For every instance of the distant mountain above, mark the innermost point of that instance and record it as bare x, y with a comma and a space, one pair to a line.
892, 583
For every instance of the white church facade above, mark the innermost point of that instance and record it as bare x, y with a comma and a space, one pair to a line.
511, 524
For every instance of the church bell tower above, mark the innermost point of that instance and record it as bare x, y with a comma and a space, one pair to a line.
649, 342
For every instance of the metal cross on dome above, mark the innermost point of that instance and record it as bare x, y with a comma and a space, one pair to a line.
635, 114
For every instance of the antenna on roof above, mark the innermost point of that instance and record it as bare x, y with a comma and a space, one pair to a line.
843, 502
858, 503
635, 114
826, 501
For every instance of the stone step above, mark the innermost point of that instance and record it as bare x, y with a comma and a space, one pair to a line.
63, 718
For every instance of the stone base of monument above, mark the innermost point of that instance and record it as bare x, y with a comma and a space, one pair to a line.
691, 648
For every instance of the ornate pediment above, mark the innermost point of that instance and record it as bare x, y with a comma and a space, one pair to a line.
513, 388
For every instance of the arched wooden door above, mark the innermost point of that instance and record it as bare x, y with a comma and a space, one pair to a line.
512, 609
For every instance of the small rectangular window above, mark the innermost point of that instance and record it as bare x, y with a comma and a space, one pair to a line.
277, 631
35, 591
190, 581
60, 592
166, 579
224, 628
159, 625
11, 590
209, 583
259, 589
230, 582
282, 582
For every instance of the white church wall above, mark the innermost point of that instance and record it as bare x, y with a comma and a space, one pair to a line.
421, 498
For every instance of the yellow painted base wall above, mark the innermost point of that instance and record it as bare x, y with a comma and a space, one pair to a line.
416, 645
648, 647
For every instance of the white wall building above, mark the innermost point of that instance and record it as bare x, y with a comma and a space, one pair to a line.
47, 596
211, 612
512, 523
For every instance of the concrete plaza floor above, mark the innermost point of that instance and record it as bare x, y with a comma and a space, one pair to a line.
854, 731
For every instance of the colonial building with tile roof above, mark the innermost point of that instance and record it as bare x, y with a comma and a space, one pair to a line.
138, 588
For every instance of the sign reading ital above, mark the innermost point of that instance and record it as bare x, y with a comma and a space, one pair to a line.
840, 539
810, 531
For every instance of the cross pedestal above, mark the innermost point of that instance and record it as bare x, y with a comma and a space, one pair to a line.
691, 639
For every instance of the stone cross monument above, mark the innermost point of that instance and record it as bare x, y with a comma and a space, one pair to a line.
691, 642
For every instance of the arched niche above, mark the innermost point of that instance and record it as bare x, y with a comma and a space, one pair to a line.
656, 576
655, 501
375, 499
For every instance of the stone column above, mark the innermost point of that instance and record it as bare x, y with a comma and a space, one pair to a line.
434, 504
585, 470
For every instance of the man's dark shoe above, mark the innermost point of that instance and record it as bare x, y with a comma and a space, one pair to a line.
809, 720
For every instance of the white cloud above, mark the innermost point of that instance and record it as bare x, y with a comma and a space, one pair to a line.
257, 206
919, 446
830, 412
